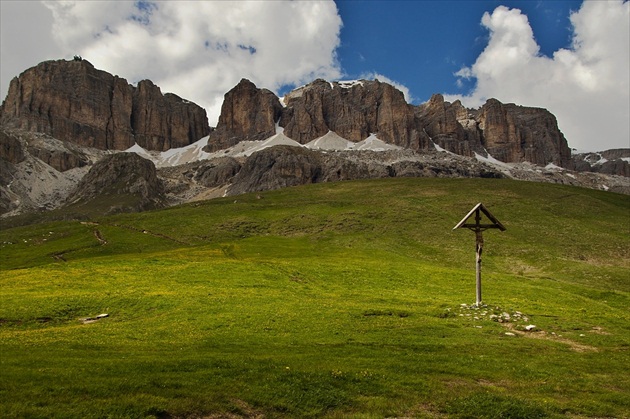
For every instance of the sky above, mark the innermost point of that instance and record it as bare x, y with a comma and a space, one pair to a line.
568, 56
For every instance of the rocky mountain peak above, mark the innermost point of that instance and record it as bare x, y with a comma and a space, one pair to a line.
73, 101
356, 109
519, 133
247, 114
353, 110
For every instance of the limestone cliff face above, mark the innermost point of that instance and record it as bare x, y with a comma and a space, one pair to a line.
11, 148
73, 101
514, 133
161, 122
352, 110
508, 132
247, 114
450, 126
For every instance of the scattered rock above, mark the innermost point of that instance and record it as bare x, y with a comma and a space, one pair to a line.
88, 320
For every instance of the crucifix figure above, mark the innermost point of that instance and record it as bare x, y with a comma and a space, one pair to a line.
478, 228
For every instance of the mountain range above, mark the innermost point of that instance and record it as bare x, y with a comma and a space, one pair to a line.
65, 126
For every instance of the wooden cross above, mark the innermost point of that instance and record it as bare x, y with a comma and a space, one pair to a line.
478, 228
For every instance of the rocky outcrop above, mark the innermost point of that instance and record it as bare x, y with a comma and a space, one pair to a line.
121, 182
247, 114
160, 122
282, 166
73, 101
450, 126
508, 132
512, 133
616, 153
216, 172
37, 171
11, 148
352, 110
58, 159
278, 167
62, 156
611, 162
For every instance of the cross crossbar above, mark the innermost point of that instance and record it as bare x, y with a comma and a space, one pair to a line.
482, 226
480, 208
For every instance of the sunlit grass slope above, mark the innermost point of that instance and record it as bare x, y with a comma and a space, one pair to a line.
330, 300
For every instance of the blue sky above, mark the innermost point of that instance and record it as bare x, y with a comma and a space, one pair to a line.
570, 57
421, 44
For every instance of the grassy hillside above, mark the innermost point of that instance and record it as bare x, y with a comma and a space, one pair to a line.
330, 300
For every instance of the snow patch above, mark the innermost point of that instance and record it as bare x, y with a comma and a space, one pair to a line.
348, 84
278, 139
173, 156
330, 141
552, 166
491, 160
135, 148
182, 155
373, 143
440, 149
595, 159
279, 129
247, 148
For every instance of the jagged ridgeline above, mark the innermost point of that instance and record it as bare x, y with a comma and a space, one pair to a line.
62, 117
354, 110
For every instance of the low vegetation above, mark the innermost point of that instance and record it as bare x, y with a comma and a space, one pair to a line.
329, 300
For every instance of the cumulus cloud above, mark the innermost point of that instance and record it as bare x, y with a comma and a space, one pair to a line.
586, 86
25, 39
404, 89
200, 50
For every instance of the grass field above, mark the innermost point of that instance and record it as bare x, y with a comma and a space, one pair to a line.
330, 300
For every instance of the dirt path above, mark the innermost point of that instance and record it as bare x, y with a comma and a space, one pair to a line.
151, 233
577, 347
99, 237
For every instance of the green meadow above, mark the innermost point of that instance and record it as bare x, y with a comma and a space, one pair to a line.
340, 300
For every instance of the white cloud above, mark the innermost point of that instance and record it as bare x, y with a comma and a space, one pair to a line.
586, 86
25, 40
405, 91
201, 49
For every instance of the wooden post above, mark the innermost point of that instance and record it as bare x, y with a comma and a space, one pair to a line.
479, 250
478, 228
